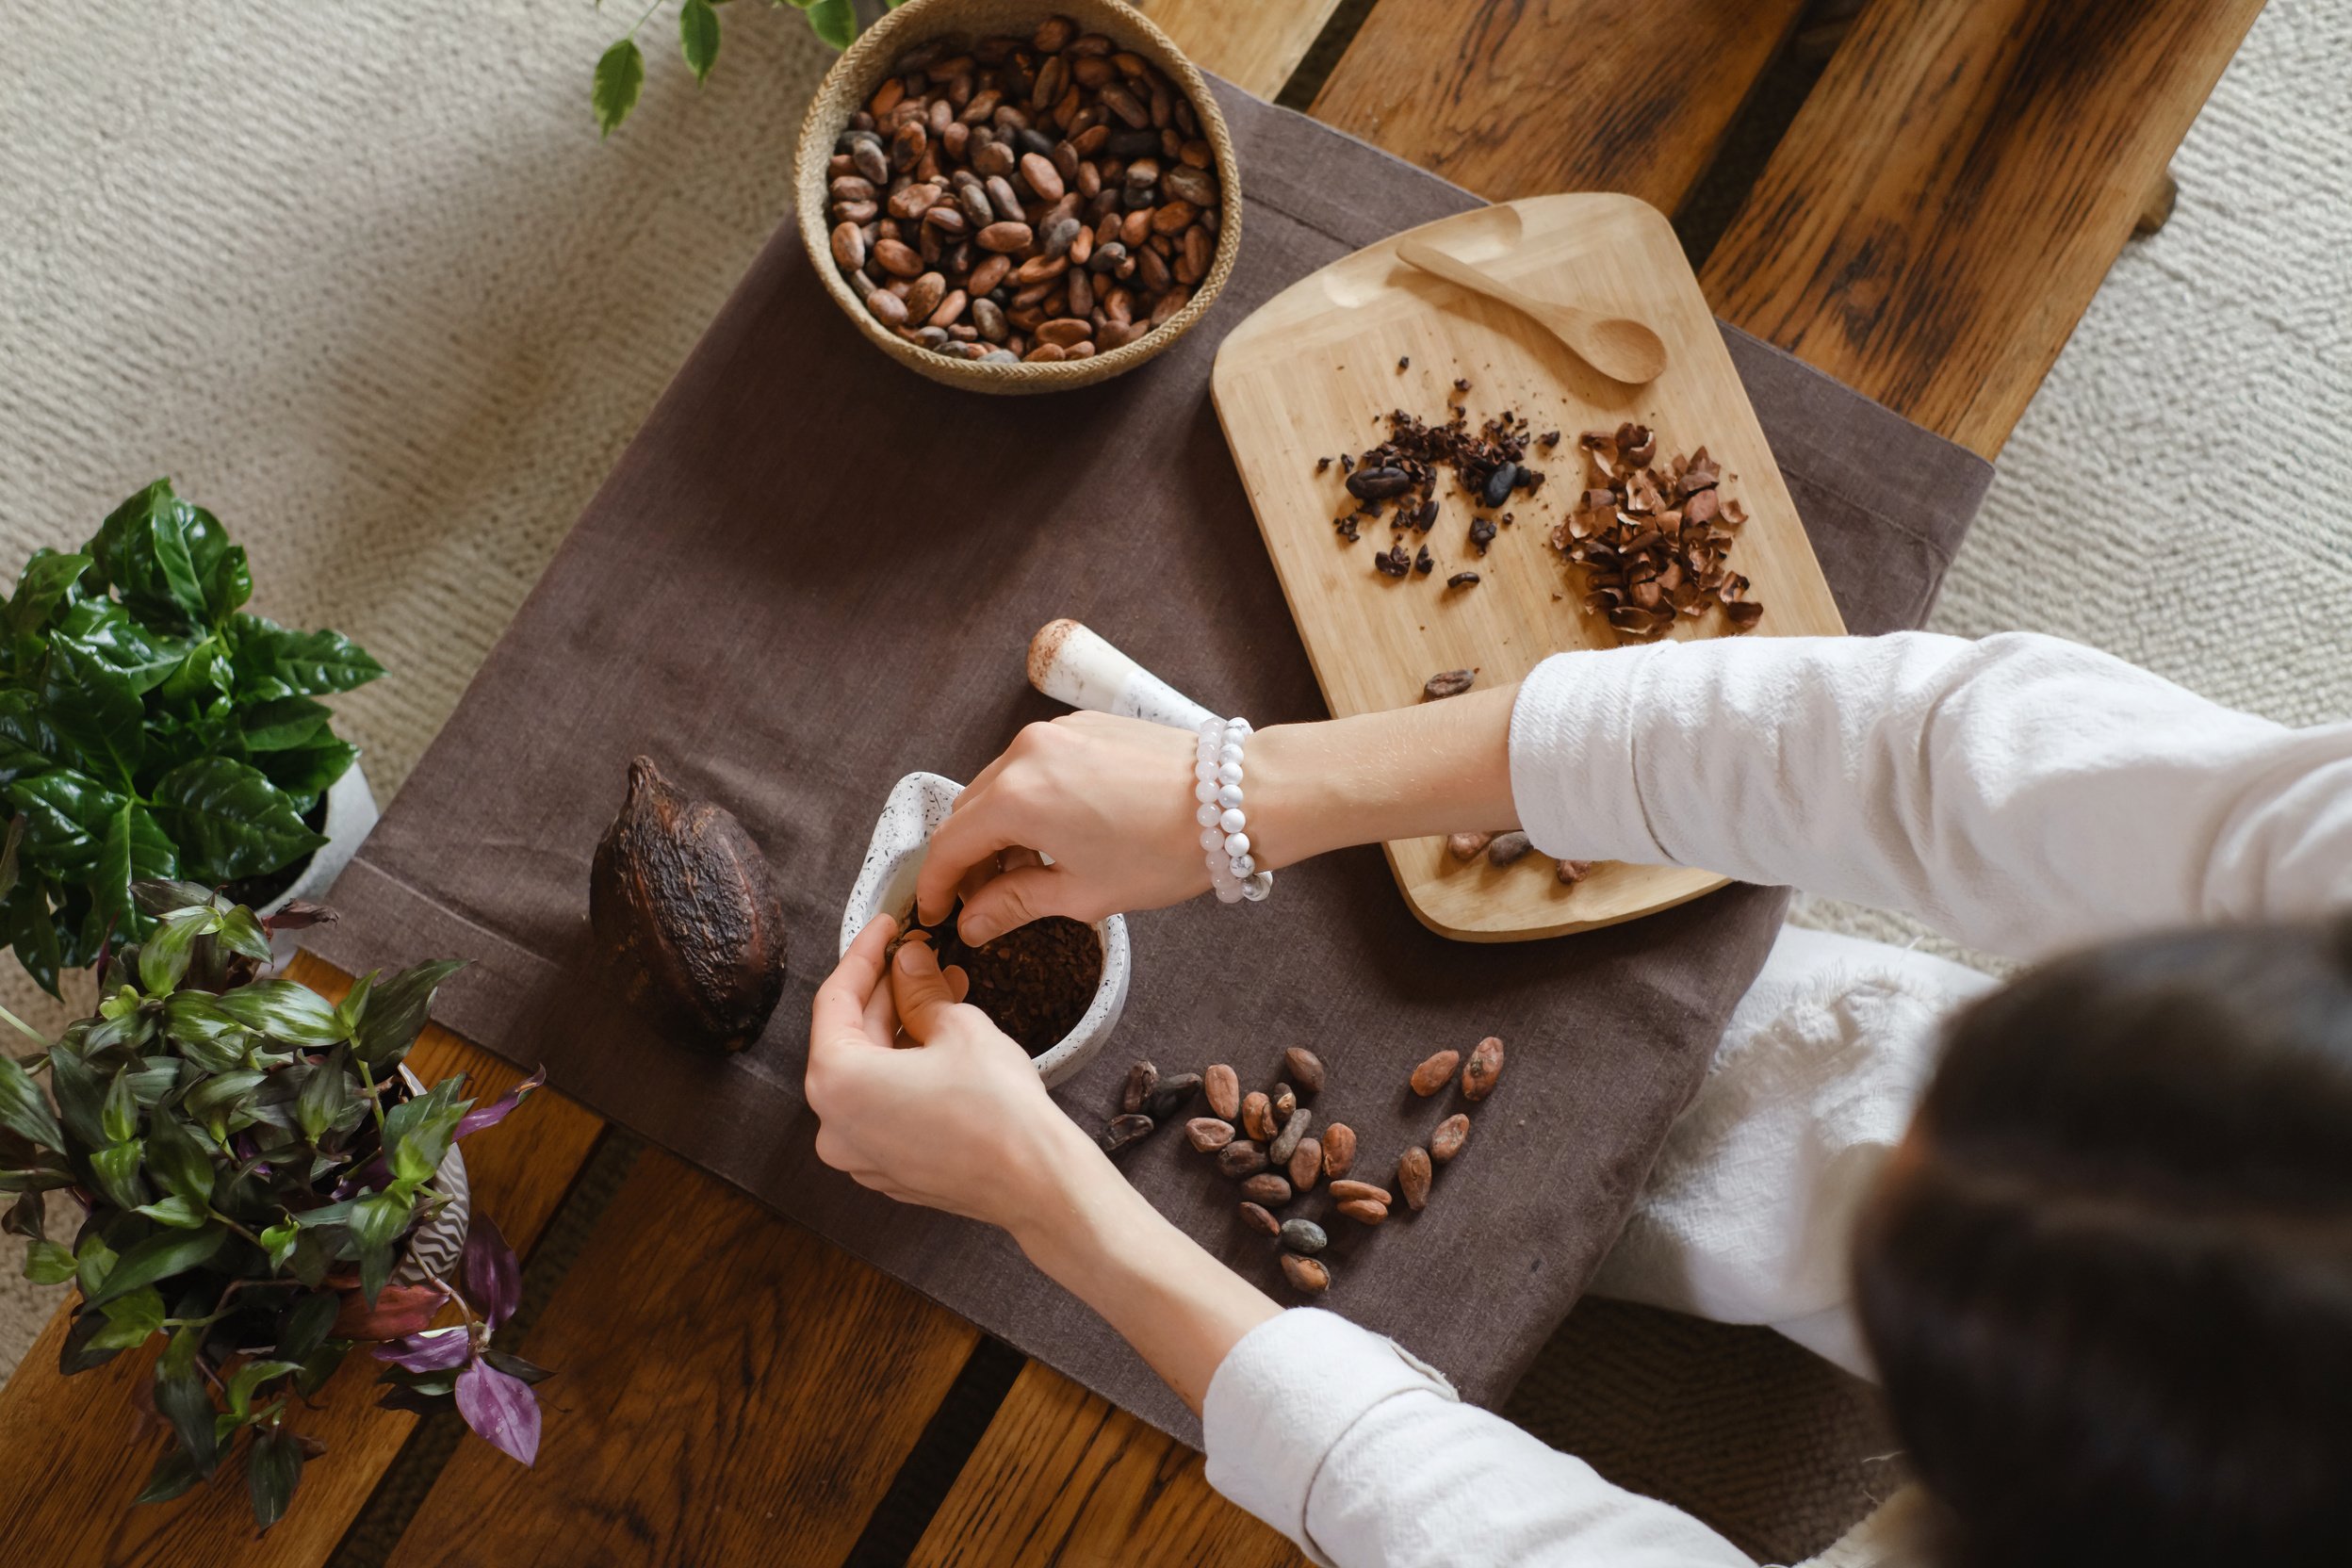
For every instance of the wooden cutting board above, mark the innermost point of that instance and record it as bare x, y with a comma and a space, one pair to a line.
1315, 370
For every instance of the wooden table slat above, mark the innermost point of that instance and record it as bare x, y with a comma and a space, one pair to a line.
729, 1390
1955, 187
1515, 98
78, 1449
1064, 1477
1255, 44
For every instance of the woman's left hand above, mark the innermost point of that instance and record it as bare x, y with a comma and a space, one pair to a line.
962, 1124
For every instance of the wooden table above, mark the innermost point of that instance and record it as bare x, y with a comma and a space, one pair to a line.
1928, 229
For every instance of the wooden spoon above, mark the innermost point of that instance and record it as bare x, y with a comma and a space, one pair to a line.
1618, 346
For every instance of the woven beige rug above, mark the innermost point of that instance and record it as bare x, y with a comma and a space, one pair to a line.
366, 283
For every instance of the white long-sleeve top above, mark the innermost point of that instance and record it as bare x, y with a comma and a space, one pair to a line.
2023, 795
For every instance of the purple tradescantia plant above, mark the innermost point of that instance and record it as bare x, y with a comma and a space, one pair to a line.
490, 1388
253, 1172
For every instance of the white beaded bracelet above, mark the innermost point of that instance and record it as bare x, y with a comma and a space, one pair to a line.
1224, 827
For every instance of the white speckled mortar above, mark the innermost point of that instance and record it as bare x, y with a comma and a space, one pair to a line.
886, 885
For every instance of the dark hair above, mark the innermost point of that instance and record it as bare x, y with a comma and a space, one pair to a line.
2108, 1279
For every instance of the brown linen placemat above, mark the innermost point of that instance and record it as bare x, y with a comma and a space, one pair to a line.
812, 572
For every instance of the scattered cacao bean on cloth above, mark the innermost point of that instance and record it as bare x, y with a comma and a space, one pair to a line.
1258, 1217
1269, 1189
764, 656
1481, 1072
1364, 1211
686, 915
1358, 1192
1339, 1148
1307, 1274
1306, 1163
1222, 1086
1241, 1158
1432, 1075
1123, 1130
1038, 197
1142, 1078
1304, 1235
1450, 1136
1208, 1133
1412, 1177
1305, 1069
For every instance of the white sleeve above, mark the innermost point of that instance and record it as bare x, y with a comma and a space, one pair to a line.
1365, 1456
2021, 793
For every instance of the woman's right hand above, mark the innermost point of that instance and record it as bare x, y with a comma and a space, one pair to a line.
1109, 799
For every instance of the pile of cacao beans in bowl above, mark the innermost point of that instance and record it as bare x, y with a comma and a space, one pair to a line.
1056, 985
1015, 197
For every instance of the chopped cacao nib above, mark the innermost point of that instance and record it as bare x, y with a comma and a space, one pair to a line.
1425, 518
1549, 439
1393, 562
1649, 559
1461, 383
1482, 533
1423, 562
1462, 580
1321, 463
1404, 361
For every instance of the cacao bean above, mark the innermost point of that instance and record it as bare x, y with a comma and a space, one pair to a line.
1448, 683
1068, 332
1267, 1189
1241, 1158
1258, 1217
1285, 1100
924, 297
1257, 1117
1507, 847
1574, 872
898, 258
1224, 1086
1208, 1134
849, 246
912, 200
989, 273
1448, 1140
1123, 1130
1306, 1163
1142, 1078
1412, 1178
1183, 182
1006, 237
1378, 485
1303, 1236
1359, 1191
872, 161
1364, 1210
1305, 1069
1042, 176
1430, 1076
1466, 846
1307, 1274
1286, 1142
686, 913
1339, 1150
1483, 1067
1171, 1095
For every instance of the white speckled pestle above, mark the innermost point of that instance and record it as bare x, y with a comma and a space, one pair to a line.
1072, 664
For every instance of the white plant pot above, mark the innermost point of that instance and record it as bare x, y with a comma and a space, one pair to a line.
351, 816
886, 885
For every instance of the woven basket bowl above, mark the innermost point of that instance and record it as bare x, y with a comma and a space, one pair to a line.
861, 70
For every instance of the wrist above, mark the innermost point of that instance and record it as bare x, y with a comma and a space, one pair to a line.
1291, 802
1080, 1199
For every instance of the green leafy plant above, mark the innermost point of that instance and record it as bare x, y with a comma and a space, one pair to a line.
255, 1175
621, 73
150, 728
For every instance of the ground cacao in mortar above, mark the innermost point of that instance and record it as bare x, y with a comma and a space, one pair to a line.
1035, 982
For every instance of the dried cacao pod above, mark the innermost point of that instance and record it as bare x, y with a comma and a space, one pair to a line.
687, 915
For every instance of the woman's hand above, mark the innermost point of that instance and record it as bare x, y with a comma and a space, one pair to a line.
1110, 799
964, 1123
